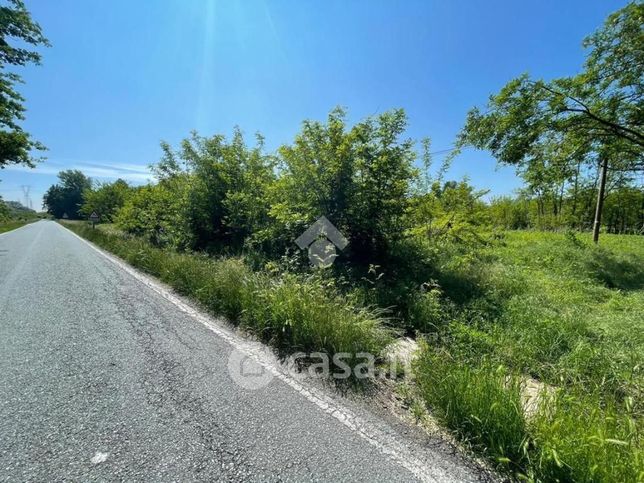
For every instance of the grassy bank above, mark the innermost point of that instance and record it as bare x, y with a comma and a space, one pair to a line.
292, 312
12, 225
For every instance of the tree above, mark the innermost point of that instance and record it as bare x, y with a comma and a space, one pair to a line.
154, 212
596, 116
16, 24
452, 210
358, 177
4, 210
66, 197
214, 200
383, 177
226, 200
18, 211
509, 213
106, 199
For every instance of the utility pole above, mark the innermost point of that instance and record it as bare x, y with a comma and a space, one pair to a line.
25, 191
600, 200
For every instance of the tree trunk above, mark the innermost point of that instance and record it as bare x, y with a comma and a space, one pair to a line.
575, 191
600, 201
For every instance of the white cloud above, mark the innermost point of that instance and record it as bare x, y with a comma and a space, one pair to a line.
103, 171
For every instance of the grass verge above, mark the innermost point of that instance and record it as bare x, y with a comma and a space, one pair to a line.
12, 225
292, 312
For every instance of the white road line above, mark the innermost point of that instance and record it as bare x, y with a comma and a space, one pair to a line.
367, 431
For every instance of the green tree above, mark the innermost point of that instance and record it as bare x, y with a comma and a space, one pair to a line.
211, 195
452, 210
16, 25
316, 178
154, 212
383, 179
596, 116
4, 210
226, 201
105, 200
66, 197
509, 213
17, 211
359, 177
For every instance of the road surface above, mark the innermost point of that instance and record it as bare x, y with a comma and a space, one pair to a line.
104, 378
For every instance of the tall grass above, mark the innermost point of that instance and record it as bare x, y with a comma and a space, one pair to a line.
581, 437
572, 437
558, 309
481, 404
293, 312
303, 313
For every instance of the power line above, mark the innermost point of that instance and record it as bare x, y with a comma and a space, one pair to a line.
25, 191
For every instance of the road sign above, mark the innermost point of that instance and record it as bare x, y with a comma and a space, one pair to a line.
94, 218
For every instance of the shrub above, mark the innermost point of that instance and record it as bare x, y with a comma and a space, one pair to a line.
105, 199
426, 311
154, 212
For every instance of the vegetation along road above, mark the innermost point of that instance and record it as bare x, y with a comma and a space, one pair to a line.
105, 377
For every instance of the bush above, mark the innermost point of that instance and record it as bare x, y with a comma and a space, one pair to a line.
426, 311
154, 212
4, 211
105, 199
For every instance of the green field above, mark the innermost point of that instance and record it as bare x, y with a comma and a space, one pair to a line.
568, 317
558, 308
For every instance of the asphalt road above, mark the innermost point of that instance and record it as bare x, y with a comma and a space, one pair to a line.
104, 378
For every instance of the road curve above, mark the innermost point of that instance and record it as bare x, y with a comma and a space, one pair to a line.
103, 378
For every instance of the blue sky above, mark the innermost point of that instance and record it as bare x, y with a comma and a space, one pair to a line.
123, 75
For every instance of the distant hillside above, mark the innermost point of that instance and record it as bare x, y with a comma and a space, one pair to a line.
17, 210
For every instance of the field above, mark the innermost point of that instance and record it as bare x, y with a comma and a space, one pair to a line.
561, 315
557, 308
531, 345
